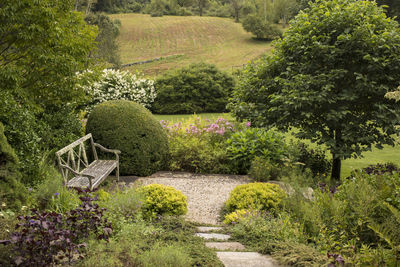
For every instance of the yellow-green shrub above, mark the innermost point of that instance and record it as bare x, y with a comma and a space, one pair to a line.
238, 215
257, 196
163, 200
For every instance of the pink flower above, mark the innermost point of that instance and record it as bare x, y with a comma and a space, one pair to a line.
248, 124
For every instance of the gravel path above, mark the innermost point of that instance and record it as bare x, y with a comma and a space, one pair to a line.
206, 193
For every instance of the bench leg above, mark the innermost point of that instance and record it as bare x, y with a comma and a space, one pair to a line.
117, 172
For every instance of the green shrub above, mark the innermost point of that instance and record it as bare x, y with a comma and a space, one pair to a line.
258, 196
239, 215
166, 256
51, 183
262, 170
132, 129
243, 146
12, 192
260, 28
163, 200
313, 158
64, 200
198, 88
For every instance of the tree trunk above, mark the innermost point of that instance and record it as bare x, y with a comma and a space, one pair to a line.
337, 162
336, 168
237, 15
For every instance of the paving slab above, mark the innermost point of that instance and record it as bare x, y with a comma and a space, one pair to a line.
206, 229
213, 236
245, 259
231, 246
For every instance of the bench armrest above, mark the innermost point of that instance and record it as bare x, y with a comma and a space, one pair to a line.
115, 151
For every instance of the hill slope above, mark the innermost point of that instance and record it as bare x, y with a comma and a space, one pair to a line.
192, 39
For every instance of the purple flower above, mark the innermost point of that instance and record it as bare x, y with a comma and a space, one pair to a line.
56, 194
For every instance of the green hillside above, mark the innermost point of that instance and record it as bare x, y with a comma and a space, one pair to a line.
192, 39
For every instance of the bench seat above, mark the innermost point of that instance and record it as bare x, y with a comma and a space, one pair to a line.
99, 169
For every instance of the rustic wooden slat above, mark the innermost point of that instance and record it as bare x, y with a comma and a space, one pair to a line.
74, 144
85, 160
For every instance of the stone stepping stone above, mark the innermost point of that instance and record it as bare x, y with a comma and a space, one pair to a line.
206, 229
213, 236
245, 259
231, 246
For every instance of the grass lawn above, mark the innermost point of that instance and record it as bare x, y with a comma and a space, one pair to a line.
180, 117
220, 41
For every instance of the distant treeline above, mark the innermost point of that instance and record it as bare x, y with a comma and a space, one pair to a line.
279, 9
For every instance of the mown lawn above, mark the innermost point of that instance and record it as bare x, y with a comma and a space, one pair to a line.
220, 41
387, 154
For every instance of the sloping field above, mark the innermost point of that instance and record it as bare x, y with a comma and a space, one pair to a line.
192, 39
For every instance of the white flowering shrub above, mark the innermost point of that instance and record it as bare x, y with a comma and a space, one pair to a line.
115, 85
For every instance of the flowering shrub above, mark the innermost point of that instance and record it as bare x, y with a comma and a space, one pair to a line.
199, 145
115, 84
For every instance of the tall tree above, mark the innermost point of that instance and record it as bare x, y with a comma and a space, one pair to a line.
43, 43
107, 48
237, 5
328, 78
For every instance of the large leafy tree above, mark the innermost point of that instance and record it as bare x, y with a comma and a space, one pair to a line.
328, 77
43, 43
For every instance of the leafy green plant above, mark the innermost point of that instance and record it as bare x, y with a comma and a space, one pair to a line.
132, 129
258, 196
163, 200
64, 200
314, 159
244, 145
262, 170
198, 88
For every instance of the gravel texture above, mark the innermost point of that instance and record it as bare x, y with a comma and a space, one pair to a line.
206, 193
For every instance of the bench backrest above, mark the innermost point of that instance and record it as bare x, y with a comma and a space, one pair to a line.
74, 155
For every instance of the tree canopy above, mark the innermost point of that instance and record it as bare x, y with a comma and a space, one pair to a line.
42, 44
327, 78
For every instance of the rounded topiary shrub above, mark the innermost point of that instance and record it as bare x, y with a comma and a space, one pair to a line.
257, 196
163, 200
132, 129
198, 88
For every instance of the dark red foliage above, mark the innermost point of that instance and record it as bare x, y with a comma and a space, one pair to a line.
45, 238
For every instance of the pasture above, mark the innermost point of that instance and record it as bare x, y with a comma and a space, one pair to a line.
220, 41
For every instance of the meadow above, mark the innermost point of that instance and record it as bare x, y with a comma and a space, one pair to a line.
191, 39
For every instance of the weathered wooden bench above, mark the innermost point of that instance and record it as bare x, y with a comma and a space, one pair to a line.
75, 168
